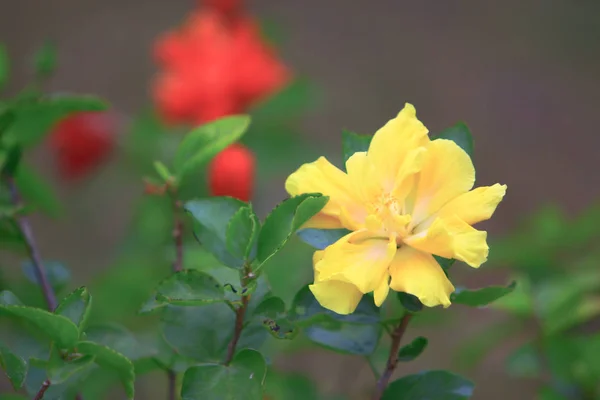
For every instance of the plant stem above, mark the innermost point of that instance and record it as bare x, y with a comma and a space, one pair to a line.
172, 384
392, 362
178, 237
40, 393
34, 253
240, 313
239, 326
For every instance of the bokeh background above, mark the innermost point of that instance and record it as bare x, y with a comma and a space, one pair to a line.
523, 75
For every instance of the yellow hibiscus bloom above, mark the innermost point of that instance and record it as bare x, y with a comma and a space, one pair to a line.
405, 199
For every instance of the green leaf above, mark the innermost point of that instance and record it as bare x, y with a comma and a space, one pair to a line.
212, 216
461, 135
186, 288
353, 143
413, 349
409, 302
66, 369
59, 328
356, 333
206, 141
37, 191
162, 171
321, 238
520, 302
4, 66
58, 275
289, 386
14, 366
481, 297
524, 362
242, 233
76, 307
113, 360
204, 333
9, 161
242, 379
10, 396
445, 263
286, 104
271, 312
547, 393
45, 60
34, 120
284, 221
438, 385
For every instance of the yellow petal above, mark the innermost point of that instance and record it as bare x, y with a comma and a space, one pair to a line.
391, 144
452, 238
407, 175
447, 172
323, 177
381, 292
340, 297
323, 221
362, 177
419, 274
475, 206
358, 258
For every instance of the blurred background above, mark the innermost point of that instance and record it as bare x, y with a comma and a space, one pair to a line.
523, 76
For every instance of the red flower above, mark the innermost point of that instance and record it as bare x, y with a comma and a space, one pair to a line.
82, 142
215, 65
231, 173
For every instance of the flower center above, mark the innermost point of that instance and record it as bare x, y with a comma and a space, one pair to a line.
387, 216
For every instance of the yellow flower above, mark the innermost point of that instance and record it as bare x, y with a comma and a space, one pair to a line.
405, 199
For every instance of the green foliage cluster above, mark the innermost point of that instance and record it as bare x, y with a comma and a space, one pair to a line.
556, 304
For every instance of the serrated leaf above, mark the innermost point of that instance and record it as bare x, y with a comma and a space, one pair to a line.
413, 350
242, 233
59, 328
242, 379
14, 366
284, 221
204, 333
206, 141
186, 288
445, 263
76, 306
37, 191
212, 216
58, 275
438, 385
321, 238
113, 360
461, 135
481, 297
35, 119
271, 312
353, 143
66, 369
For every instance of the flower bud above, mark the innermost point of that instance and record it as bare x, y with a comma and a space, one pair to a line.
231, 173
82, 142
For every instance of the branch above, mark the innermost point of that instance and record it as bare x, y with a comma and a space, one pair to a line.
34, 253
240, 313
177, 237
40, 393
392, 362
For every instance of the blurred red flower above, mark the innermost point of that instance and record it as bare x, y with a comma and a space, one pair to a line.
216, 64
82, 142
231, 173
